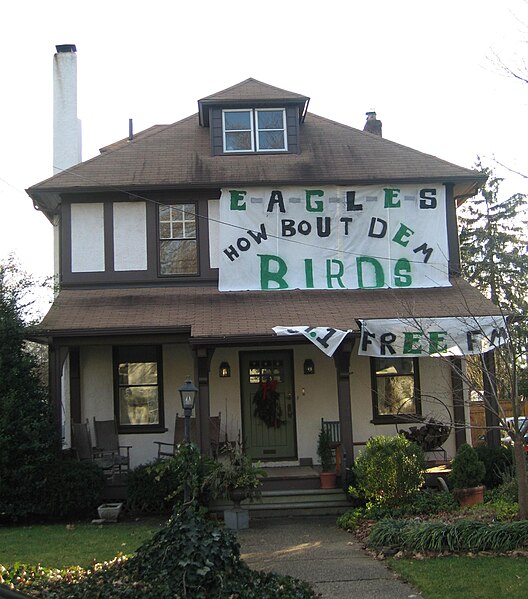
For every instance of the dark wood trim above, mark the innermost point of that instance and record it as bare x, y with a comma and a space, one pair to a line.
391, 418
342, 366
491, 406
75, 385
56, 356
202, 366
452, 231
159, 427
459, 412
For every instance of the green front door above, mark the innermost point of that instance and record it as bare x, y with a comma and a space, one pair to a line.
268, 405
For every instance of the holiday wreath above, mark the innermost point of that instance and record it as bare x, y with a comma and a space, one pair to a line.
267, 404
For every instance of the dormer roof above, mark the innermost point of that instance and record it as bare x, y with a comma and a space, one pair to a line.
251, 93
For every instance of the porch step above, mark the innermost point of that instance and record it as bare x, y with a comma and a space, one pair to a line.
293, 502
284, 478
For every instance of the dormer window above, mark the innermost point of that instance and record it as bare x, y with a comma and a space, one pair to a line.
259, 129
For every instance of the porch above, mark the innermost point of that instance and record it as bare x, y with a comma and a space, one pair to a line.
286, 490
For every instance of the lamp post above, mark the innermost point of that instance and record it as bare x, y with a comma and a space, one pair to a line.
187, 395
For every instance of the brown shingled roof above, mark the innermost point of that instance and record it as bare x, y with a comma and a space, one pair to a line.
206, 313
178, 156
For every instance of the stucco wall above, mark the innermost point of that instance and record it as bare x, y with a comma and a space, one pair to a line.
315, 395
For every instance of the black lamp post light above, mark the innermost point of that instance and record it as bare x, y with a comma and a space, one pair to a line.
188, 396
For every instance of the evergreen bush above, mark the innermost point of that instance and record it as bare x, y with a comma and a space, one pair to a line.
390, 468
72, 489
29, 439
158, 486
467, 470
498, 461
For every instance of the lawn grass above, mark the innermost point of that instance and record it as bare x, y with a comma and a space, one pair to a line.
453, 577
80, 544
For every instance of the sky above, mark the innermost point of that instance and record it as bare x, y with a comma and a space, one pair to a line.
429, 69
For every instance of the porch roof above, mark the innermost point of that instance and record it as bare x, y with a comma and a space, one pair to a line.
204, 313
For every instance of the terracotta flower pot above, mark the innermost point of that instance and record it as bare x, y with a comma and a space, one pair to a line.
470, 496
327, 480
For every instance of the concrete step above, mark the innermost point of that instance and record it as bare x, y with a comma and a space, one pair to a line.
292, 502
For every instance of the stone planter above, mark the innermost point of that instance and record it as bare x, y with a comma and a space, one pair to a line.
109, 512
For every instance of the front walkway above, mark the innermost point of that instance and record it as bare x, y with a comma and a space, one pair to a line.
316, 550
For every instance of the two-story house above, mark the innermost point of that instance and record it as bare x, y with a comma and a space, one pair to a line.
182, 247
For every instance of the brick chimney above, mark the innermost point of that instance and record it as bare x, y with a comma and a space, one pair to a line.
372, 125
66, 125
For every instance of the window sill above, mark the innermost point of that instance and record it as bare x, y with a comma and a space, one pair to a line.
414, 419
141, 429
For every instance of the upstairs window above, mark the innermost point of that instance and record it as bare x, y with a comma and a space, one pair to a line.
178, 244
263, 129
395, 389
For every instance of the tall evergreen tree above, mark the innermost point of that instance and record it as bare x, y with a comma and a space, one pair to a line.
493, 249
29, 441
493, 245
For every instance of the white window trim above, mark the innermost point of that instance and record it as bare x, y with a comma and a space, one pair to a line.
251, 130
257, 130
254, 112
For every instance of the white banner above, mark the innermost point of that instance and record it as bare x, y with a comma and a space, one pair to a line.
431, 336
333, 237
326, 339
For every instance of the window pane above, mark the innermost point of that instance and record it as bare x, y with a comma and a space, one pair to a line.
238, 141
179, 257
237, 120
177, 231
165, 231
164, 213
396, 395
270, 119
138, 373
394, 366
271, 140
189, 231
138, 405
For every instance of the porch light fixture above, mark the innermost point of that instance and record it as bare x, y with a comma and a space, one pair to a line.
224, 370
309, 367
188, 395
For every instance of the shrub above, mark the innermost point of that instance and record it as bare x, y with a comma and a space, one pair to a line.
497, 460
29, 439
466, 470
158, 486
463, 535
324, 450
72, 488
422, 503
190, 558
235, 470
390, 468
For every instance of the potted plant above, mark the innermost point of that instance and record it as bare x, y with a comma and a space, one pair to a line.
467, 474
327, 476
235, 476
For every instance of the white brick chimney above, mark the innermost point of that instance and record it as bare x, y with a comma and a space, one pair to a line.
66, 125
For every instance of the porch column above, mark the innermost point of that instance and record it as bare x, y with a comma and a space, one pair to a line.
342, 364
491, 405
75, 385
202, 364
459, 413
56, 356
